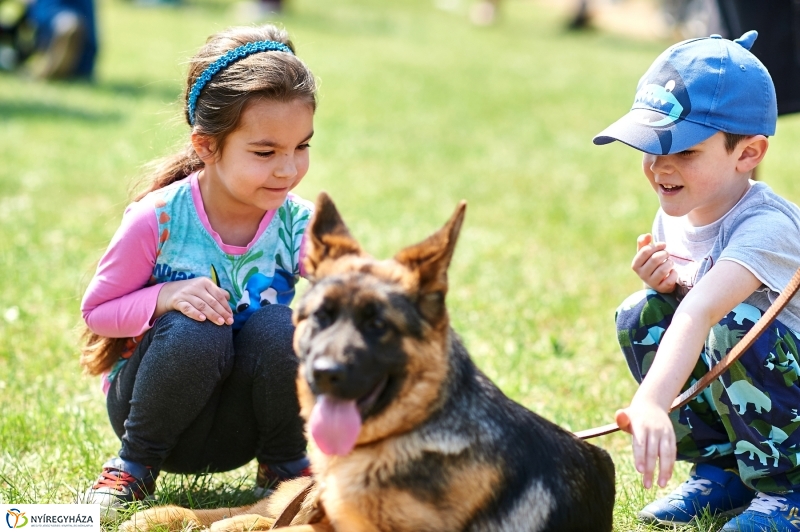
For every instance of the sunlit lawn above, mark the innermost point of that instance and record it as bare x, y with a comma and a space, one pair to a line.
418, 110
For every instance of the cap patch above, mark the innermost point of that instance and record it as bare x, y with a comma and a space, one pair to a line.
664, 95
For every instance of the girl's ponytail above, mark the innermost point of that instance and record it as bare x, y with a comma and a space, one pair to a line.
99, 353
167, 170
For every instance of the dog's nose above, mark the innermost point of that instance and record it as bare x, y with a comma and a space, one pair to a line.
328, 374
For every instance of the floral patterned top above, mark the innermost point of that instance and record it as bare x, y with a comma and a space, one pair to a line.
166, 236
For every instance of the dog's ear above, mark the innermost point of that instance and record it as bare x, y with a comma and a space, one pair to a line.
327, 236
430, 260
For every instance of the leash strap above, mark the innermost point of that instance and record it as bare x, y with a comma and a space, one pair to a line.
293, 508
738, 350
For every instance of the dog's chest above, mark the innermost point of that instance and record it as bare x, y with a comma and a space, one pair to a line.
374, 492
354, 508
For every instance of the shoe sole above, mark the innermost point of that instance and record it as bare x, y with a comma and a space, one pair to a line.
651, 519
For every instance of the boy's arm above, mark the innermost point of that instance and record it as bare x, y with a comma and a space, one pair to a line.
726, 285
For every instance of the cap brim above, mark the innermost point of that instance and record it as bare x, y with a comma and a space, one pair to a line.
674, 138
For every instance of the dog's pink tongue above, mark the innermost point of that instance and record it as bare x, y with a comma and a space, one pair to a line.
335, 425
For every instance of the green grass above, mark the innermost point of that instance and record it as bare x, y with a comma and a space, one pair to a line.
418, 110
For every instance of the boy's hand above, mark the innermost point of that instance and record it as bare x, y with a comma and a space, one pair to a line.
653, 438
198, 298
653, 265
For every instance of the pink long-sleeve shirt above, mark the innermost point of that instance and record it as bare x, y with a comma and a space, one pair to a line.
118, 302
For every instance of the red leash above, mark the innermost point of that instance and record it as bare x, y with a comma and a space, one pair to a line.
737, 351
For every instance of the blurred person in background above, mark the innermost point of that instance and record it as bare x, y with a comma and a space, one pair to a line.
689, 19
776, 21
16, 34
484, 13
271, 6
51, 39
683, 19
778, 46
256, 10
66, 38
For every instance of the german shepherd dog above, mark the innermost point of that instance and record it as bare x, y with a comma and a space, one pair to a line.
410, 435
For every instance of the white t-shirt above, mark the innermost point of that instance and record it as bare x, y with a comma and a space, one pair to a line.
761, 232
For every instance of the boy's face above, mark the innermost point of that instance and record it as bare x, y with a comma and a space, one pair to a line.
701, 182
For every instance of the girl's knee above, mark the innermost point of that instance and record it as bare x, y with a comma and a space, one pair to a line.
177, 323
265, 342
180, 336
269, 314
270, 325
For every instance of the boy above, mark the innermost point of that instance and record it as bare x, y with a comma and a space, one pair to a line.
722, 247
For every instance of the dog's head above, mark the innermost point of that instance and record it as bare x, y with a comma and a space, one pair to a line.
372, 336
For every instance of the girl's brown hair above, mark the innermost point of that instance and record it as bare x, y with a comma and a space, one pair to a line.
273, 76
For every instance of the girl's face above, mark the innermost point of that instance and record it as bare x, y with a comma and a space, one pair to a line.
264, 158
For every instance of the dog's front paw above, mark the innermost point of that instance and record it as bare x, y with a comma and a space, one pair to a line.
243, 523
172, 518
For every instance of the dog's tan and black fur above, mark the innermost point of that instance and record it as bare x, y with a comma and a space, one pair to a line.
441, 448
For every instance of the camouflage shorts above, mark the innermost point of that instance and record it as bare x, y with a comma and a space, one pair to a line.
750, 412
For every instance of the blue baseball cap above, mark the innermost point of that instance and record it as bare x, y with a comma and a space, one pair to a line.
694, 89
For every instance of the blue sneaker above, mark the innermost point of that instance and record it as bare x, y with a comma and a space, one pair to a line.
709, 488
768, 513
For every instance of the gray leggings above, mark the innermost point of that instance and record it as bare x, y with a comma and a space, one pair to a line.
193, 398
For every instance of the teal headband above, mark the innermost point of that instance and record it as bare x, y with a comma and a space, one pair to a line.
230, 57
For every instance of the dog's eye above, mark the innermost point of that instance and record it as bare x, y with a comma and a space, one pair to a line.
375, 324
324, 316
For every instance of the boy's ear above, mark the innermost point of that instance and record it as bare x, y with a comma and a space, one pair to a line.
204, 146
430, 259
753, 149
328, 236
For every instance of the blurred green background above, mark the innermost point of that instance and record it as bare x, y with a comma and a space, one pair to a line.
418, 109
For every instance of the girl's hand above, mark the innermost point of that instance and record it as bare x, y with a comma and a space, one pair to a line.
198, 298
653, 438
653, 265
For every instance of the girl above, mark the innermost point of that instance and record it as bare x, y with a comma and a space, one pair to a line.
186, 314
